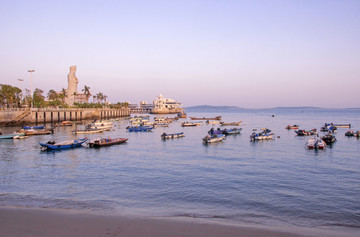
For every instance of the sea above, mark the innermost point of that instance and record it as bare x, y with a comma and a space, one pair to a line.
277, 182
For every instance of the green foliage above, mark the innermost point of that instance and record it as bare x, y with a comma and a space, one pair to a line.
10, 96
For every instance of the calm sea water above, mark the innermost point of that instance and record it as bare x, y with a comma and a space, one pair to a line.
278, 182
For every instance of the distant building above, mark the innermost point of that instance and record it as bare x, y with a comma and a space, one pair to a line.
164, 105
145, 105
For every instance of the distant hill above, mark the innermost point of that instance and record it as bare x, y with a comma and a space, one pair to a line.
210, 108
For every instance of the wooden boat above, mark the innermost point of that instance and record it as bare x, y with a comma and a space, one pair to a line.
90, 130
230, 124
32, 128
265, 134
12, 135
306, 132
292, 126
225, 131
214, 138
161, 125
182, 115
212, 122
39, 132
349, 133
165, 136
99, 142
64, 124
329, 138
315, 143
190, 124
203, 118
139, 128
51, 145
101, 123
343, 125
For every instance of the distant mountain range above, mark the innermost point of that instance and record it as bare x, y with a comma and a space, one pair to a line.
211, 108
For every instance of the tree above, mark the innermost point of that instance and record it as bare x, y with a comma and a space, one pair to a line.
87, 92
10, 96
62, 95
99, 97
52, 95
38, 98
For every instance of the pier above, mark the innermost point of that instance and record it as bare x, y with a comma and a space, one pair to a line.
18, 117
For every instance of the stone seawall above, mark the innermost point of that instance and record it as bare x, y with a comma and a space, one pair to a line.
43, 116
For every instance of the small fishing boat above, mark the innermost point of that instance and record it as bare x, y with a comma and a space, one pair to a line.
140, 128
38, 132
212, 122
343, 125
190, 124
306, 132
90, 130
165, 136
328, 127
232, 131
230, 124
357, 134
32, 128
292, 126
329, 138
225, 131
12, 135
214, 138
51, 145
203, 118
265, 134
349, 133
64, 124
182, 115
315, 143
99, 142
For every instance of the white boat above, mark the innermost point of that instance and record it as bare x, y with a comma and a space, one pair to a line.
165, 136
265, 134
214, 138
190, 124
315, 143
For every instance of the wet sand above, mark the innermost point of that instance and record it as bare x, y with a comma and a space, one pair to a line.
41, 222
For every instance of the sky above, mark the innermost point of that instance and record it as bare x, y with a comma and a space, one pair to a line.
251, 54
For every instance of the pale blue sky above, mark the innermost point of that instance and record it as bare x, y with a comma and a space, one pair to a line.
252, 54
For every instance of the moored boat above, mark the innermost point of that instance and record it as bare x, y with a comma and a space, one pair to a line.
64, 124
231, 123
265, 134
51, 145
203, 118
328, 127
190, 124
315, 143
165, 136
225, 131
99, 142
348, 125
90, 130
38, 132
292, 126
214, 138
329, 138
182, 115
12, 135
140, 128
33, 127
349, 133
306, 132
357, 134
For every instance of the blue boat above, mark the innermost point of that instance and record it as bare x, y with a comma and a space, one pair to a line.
51, 145
35, 127
140, 129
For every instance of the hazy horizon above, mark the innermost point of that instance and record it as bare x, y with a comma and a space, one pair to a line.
250, 54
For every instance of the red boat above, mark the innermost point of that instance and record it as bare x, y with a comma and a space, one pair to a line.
292, 126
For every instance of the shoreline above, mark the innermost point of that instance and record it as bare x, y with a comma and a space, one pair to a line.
31, 222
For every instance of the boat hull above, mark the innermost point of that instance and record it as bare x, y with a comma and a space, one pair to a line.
107, 142
58, 146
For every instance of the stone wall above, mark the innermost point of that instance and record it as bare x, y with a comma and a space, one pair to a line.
42, 116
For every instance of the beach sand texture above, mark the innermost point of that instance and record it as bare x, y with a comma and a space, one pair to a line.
39, 222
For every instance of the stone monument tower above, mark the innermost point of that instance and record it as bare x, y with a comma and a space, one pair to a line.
72, 86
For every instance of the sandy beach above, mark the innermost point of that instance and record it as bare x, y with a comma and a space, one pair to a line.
39, 222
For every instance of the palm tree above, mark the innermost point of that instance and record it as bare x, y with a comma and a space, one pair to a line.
87, 92
100, 97
63, 95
